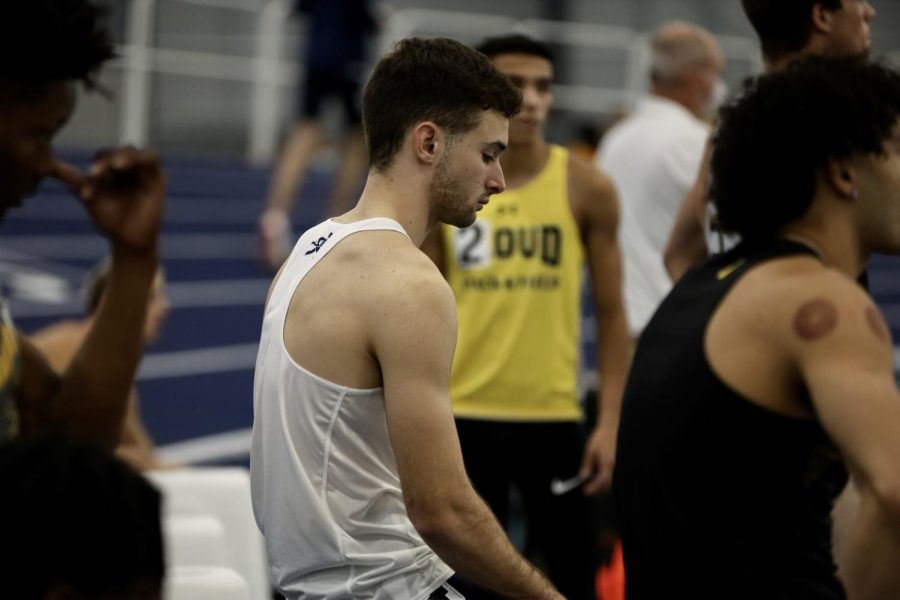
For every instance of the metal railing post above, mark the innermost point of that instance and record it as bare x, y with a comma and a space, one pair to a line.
267, 79
637, 69
134, 123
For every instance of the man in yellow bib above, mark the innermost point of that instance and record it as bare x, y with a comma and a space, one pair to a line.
517, 276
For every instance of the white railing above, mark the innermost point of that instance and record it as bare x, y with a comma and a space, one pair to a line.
264, 72
136, 80
268, 75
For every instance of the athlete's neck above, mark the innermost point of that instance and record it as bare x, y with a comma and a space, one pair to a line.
782, 62
523, 161
383, 196
834, 248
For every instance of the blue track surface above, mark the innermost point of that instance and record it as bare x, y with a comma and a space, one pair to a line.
197, 380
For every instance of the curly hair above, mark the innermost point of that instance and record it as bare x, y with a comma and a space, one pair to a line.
440, 80
783, 26
42, 41
785, 128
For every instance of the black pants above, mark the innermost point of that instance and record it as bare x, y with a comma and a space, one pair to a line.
321, 84
561, 536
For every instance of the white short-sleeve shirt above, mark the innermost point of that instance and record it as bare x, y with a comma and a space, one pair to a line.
653, 157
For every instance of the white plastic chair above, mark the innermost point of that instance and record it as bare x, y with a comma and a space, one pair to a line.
194, 541
205, 583
223, 493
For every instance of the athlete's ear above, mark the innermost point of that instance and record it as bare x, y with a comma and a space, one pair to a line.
822, 18
428, 141
840, 175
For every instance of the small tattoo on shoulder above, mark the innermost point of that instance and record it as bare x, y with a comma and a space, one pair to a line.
877, 324
815, 319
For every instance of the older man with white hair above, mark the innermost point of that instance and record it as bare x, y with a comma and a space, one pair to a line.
653, 156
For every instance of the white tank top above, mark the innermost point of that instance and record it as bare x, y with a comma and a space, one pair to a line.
325, 488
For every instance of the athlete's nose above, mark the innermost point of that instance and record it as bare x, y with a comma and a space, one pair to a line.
496, 183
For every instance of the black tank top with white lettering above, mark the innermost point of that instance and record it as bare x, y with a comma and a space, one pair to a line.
719, 498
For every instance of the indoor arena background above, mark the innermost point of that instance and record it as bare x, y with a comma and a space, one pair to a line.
211, 85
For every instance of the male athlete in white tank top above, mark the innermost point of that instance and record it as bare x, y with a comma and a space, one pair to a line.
332, 465
357, 477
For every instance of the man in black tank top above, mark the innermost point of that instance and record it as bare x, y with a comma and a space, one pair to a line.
767, 373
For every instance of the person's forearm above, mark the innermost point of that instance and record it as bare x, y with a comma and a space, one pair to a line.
613, 354
93, 394
135, 445
469, 539
686, 245
686, 248
870, 555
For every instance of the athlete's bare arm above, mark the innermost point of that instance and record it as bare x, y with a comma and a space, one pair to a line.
413, 337
136, 446
123, 193
58, 344
595, 206
687, 240
815, 329
849, 373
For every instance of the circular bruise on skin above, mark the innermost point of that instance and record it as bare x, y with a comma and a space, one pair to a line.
877, 324
815, 319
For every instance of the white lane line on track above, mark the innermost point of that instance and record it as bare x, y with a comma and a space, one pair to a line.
208, 448
188, 294
202, 361
174, 246
178, 210
227, 292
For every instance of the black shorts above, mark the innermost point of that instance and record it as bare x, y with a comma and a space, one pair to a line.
320, 84
561, 530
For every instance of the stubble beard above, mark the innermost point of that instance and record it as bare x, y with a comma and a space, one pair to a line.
448, 197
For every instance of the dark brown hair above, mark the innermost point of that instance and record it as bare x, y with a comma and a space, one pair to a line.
439, 80
783, 26
515, 43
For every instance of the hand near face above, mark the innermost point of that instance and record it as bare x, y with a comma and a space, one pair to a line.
124, 193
